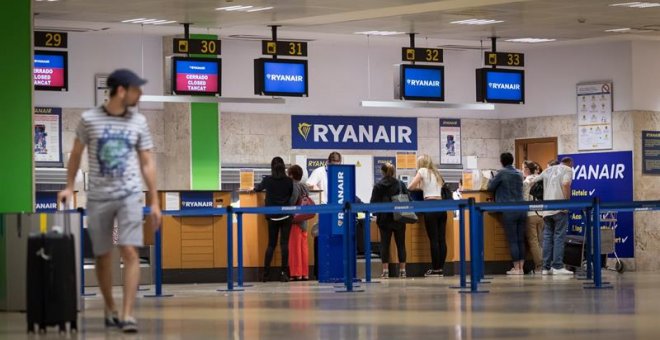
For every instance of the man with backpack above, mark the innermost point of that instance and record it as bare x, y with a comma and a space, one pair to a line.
556, 186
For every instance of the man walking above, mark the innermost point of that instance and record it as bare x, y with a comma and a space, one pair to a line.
119, 149
556, 186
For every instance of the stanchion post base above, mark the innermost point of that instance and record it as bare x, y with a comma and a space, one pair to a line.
460, 287
368, 282
604, 286
158, 296
473, 292
236, 289
591, 283
484, 282
245, 286
350, 291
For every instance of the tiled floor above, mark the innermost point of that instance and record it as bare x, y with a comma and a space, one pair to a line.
415, 308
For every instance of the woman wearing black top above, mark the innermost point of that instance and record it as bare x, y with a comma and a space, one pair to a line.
279, 192
382, 192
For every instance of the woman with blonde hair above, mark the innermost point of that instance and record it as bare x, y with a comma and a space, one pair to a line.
429, 180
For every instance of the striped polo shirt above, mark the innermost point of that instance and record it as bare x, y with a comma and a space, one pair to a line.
112, 144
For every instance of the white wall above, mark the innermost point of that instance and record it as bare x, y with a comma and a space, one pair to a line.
646, 75
101, 52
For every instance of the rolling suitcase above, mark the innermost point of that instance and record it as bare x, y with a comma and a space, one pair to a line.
573, 250
51, 279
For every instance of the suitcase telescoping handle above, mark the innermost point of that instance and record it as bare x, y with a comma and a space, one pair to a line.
66, 220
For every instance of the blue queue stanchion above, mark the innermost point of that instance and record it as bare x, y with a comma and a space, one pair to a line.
598, 279
158, 269
349, 251
588, 232
367, 248
239, 250
474, 251
461, 248
482, 249
230, 253
82, 254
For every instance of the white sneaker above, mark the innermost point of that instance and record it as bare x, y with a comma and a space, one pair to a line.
562, 271
514, 271
546, 272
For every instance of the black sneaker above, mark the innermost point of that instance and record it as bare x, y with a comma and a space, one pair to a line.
433, 273
129, 325
112, 320
402, 274
284, 277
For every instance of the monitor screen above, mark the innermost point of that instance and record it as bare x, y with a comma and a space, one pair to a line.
196, 76
501, 86
281, 77
422, 82
50, 71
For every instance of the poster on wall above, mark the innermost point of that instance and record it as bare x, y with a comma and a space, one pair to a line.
48, 136
651, 152
608, 176
101, 88
450, 142
594, 116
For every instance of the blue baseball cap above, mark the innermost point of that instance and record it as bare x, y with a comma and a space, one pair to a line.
125, 78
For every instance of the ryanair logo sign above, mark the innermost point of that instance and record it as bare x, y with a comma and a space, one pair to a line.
357, 133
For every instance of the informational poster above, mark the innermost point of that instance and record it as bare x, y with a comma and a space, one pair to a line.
651, 152
450, 141
246, 179
48, 135
594, 109
608, 176
406, 160
172, 201
313, 163
378, 163
101, 88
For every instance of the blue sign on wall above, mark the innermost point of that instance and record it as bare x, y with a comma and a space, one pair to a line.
504, 86
609, 176
46, 201
196, 200
378, 162
357, 133
285, 77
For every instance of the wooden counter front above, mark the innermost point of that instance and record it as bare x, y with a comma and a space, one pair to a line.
496, 246
195, 242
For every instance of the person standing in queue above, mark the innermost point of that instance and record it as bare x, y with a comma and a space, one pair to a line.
387, 187
318, 180
119, 147
534, 233
298, 248
429, 180
280, 191
507, 186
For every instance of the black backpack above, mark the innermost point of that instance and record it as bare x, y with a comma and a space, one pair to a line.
536, 191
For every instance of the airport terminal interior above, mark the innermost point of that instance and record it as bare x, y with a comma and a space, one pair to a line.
348, 95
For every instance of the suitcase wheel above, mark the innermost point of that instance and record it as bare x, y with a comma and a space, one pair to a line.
620, 268
62, 327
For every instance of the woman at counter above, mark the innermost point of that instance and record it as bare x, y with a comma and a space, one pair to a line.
387, 187
299, 257
429, 180
279, 192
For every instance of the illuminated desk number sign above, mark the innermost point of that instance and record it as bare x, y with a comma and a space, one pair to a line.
280, 77
196, 76
500, 86
50, 71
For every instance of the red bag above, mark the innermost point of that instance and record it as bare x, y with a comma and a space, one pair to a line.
303, 201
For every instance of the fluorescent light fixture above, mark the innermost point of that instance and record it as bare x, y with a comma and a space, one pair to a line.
530, 40
477, 22
241, 8
400, 104
380, 33
636, 4
145, 21
619, 30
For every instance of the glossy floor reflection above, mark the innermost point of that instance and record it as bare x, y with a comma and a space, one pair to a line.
538, 307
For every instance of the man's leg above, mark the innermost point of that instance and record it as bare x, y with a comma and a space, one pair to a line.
131, 260
104, 276
548, 238
561, 226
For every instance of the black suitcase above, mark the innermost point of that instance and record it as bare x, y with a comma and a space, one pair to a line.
51, 281
573, 250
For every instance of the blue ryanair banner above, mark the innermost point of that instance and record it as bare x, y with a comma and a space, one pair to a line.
356, 133
609, 176
341, 189
46, 201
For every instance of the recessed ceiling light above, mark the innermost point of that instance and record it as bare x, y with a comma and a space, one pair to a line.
379, 33
530, 40
145, 21
239, 8
615, 30
477, 22
636, 4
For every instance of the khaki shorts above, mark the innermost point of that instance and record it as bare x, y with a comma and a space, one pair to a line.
101, 217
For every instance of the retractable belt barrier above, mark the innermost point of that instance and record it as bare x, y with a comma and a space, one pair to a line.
476, 211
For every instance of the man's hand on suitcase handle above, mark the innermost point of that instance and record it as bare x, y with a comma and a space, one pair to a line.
155, 216
65, 196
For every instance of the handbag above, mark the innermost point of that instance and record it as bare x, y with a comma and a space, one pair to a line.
403, 217
305, 200
445, 192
